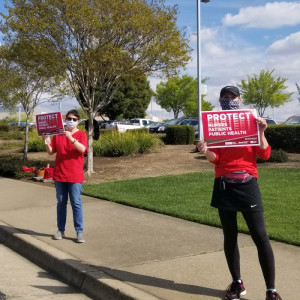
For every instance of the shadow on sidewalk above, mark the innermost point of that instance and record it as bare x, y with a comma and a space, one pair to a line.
40, 258
160, 282
34, 233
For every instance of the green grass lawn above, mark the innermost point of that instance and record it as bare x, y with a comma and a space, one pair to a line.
188, 197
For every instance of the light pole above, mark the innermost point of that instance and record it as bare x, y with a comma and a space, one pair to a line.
199, 64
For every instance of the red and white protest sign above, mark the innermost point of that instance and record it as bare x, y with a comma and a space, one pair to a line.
230, 128
50, 124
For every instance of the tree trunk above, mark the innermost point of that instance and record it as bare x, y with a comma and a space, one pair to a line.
26, 140
175, 114
90, 164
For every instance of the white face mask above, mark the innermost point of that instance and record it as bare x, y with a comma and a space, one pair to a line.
71, 124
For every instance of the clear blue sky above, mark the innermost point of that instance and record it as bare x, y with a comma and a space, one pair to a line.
240, 37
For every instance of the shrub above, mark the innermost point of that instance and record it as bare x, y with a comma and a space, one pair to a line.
278, 156
285, 137
23, 128
138, 130
146, 142
4, 127
180, 135
107, 131
16, 128
10, 145
35, 142
117, 144
123, 144
11, 135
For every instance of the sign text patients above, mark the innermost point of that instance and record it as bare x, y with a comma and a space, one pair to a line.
225, 117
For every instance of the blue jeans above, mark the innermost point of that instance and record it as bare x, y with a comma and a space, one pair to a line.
63, 189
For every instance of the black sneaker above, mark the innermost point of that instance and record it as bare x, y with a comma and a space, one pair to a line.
273, 296
235, 290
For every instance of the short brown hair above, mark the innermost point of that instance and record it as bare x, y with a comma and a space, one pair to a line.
73, 112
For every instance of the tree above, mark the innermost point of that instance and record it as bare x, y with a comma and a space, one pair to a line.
191, 108
263, 91
93, 43
131, 98
82, 113
19, 85
180, 95
298, 88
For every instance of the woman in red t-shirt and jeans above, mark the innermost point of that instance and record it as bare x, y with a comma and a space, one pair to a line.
236, 190
68, 173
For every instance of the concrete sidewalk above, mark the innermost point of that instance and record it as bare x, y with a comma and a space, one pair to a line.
131, 253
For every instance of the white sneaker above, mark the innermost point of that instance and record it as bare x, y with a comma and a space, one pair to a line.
80, 238
59, 235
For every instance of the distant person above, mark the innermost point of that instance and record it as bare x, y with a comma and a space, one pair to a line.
68, 173
236, 190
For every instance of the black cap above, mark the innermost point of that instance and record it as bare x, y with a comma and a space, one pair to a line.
232, 89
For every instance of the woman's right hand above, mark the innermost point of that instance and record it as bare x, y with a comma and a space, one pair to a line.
202, 147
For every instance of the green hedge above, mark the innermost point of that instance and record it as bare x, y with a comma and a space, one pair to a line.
180, 135
162, 137
285, 137
277, 156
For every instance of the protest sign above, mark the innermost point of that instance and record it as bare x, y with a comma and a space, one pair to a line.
50, 124
230, 128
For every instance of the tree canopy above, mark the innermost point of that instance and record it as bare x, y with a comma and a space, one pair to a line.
130, 100
23, 86
264, 90
93, 43
179, 94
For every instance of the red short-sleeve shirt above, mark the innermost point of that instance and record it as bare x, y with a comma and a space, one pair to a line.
231, 159
68, 166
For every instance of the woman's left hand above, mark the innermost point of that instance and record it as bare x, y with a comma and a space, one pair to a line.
68, 134
262, 124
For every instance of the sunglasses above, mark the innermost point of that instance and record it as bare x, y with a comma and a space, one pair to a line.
70, 119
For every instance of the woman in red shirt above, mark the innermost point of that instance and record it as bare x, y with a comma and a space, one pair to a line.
236, 190
68, 175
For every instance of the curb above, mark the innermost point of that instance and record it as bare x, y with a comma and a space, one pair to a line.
94, 283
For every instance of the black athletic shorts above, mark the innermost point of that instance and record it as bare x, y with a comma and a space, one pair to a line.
237, 196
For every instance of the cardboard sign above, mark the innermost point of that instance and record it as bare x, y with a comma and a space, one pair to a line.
230, 128
50, 124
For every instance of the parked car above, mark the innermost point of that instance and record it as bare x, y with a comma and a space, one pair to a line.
196, 127
18, 124
270, 121
123, 126
178, 121
152, 125
112, 123
293, 120
31, 124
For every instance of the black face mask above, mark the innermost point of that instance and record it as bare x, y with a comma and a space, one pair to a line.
227, 104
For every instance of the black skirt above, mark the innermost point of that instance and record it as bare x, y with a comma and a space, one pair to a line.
237, 196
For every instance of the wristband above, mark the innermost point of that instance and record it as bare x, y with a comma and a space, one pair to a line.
46, 143
74, 141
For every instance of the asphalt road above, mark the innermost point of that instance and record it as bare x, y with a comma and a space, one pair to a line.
20, 279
